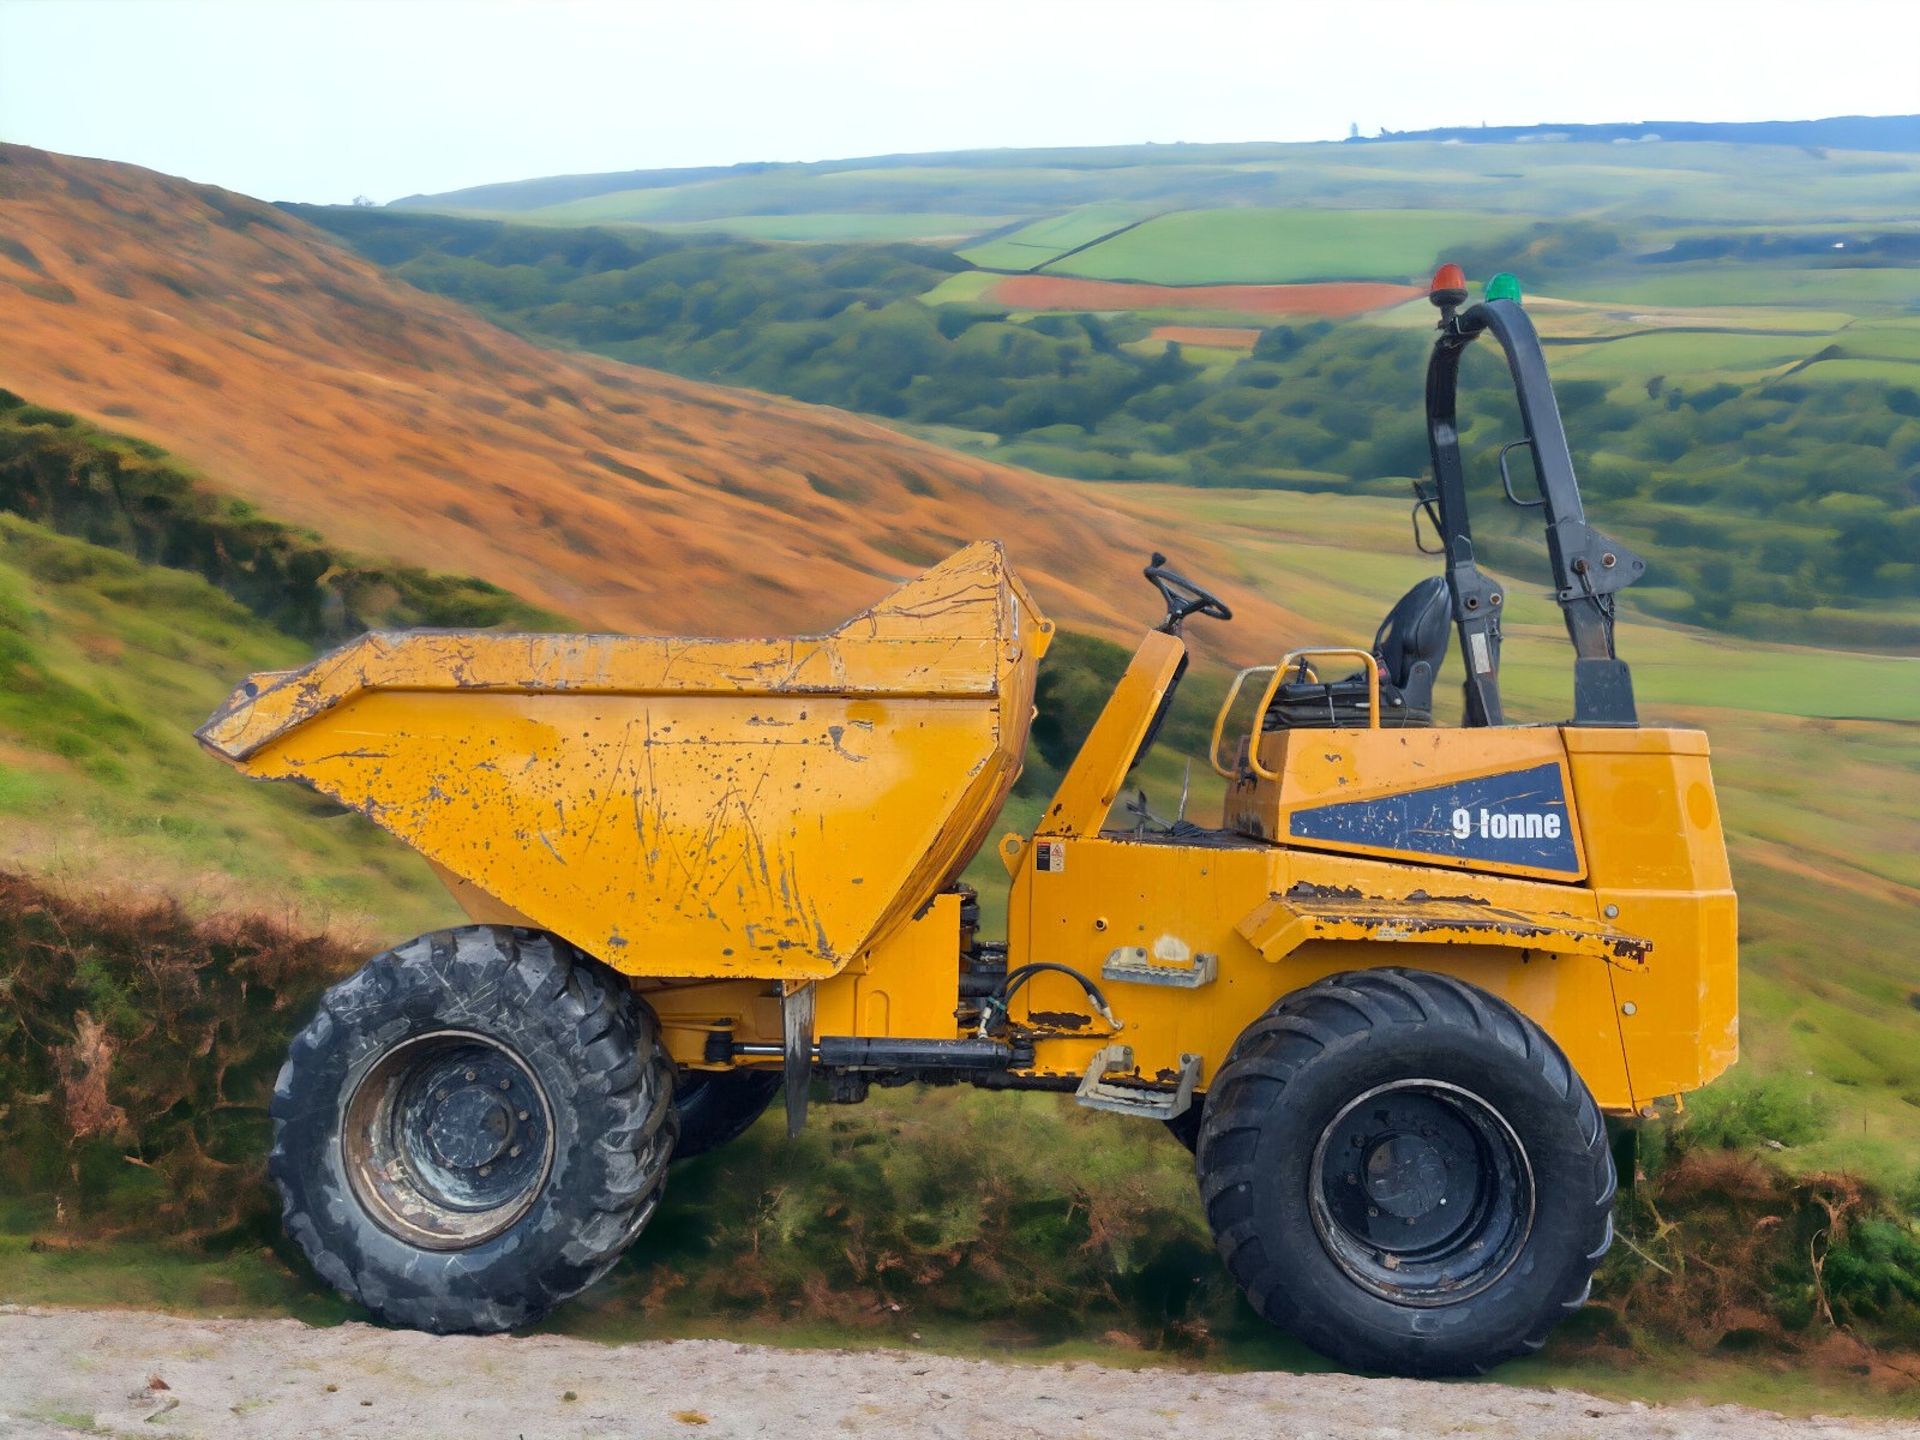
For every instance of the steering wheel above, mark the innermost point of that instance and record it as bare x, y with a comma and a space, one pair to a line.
1183, 597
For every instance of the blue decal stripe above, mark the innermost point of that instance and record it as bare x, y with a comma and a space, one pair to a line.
1517, 817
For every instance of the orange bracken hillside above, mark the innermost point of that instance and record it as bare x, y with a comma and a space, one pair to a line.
299, 377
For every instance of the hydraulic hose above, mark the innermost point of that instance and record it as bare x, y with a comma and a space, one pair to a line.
994, 1007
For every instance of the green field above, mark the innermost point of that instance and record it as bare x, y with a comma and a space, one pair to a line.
1265, 247
1693, 354
814, 229
1886, 290
1034, 246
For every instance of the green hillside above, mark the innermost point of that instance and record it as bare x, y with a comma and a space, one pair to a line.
1264, 246
108, 661
108, 666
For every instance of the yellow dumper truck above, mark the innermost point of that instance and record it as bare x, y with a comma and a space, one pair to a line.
1388, 1000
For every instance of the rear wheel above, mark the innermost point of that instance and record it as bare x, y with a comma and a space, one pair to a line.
716, 1107
1405, 1172
472, 1129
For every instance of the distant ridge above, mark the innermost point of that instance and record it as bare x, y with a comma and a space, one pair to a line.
1840, 132
1892, 133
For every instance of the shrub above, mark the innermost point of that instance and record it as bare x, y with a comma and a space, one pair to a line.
1741, 1112
138, 1050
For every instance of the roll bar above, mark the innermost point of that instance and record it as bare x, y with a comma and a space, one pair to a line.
1588, 567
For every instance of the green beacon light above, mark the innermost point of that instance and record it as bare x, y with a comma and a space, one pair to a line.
1503, 287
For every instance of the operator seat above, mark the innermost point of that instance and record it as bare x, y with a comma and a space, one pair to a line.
1410, 645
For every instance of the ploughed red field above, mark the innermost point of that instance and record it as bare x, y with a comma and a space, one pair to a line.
1329, 299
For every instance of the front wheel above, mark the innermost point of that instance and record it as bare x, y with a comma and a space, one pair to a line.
472, 1129
1405, 1172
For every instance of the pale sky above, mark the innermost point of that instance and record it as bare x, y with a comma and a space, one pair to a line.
323, 100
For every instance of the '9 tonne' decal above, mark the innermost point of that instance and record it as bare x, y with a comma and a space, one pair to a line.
1517, 818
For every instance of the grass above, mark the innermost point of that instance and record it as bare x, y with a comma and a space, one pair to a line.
1691, 354
832, 227
1277, 246
966, 288
1890, 340
109, 665
1035, 245
1862, 291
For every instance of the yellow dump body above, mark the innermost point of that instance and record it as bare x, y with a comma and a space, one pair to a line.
685, 808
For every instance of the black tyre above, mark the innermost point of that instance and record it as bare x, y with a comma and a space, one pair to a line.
1185, 1127
716, 1106
472, 1128
1405, 1172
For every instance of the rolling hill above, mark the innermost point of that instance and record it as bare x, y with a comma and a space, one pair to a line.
297, 376
1723, 175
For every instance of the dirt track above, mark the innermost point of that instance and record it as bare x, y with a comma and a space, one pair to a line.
67, 1373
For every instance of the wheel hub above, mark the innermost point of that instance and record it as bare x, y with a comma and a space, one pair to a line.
1405, 1176
469, 1129
1421, 1193
448, 1140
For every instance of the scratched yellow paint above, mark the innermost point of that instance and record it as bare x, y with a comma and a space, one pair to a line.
1643, 1000
679, 807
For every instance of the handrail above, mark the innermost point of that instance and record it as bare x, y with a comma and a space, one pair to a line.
1279, 673
1226, 706
1365, 657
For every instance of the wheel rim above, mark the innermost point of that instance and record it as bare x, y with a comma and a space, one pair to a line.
448, 1140
1421, 1192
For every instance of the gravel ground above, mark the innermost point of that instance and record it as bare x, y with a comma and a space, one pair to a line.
66, 1373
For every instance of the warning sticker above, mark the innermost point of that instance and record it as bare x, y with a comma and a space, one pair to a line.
1482, 659
1050, 856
